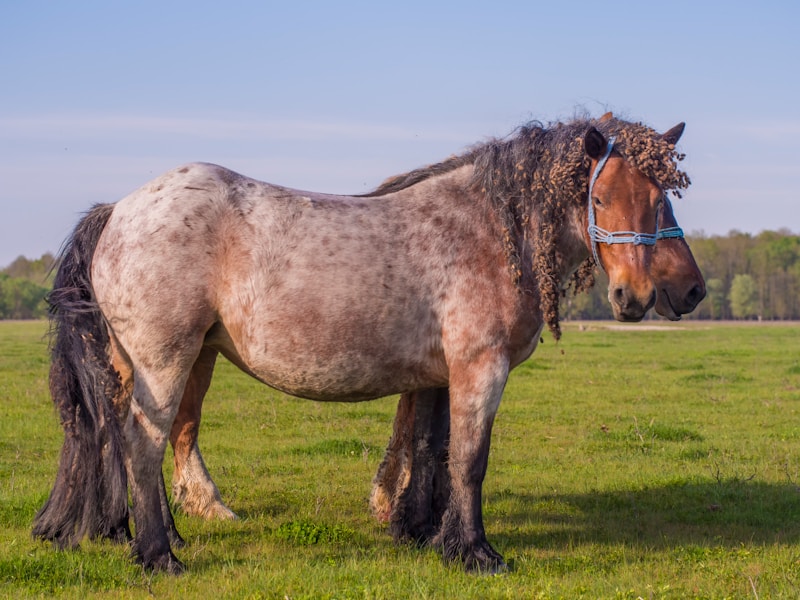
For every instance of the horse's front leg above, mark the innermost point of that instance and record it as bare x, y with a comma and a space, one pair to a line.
475, 392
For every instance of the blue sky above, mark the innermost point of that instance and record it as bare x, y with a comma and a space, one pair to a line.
97, 98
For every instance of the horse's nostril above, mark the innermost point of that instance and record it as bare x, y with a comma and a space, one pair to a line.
619, 296
695, 294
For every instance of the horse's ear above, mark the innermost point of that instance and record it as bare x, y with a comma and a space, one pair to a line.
673, 135
594, 143
606, 117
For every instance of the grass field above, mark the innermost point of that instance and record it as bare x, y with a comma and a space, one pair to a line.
626, 462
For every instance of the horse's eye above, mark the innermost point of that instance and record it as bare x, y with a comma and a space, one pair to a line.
597, 201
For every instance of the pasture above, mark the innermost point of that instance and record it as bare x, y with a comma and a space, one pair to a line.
626, 462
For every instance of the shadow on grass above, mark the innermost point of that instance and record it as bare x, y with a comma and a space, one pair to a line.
719, 513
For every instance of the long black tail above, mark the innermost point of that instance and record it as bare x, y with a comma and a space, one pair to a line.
90, 494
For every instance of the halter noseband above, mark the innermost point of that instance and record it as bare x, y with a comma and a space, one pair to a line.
598, 235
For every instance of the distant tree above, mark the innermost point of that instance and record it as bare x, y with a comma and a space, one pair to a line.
783, 252
3, 302
23, 286
715, 298
38, 271
21, 299
591, 305
587, 306
743, 296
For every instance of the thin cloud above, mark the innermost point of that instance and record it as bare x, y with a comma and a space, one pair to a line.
88, 126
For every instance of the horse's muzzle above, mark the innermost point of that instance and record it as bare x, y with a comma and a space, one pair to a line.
627, 305
673, 304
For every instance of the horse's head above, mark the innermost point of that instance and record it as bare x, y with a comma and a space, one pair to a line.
679, 283
623, 208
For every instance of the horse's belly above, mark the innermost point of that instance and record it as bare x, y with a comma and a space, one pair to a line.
337, 385
348, 376
337, 356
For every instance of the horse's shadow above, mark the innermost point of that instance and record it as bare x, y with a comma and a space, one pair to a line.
672, 517
719, 513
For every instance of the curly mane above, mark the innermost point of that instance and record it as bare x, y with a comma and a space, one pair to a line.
542, 171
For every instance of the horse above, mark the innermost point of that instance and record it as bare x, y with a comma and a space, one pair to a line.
680, 288
441, 278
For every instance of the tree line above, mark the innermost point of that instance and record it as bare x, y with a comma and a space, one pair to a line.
747, 277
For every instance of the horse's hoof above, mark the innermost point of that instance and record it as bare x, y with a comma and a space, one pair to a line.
118, 535
165, 563
420, 535
498, 568
484, 560
169, 564
220, 512
213, 510
491, 567
380, 504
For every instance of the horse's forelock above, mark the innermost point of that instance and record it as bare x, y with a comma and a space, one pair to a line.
649, 152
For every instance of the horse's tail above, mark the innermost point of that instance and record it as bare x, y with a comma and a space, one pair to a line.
90, 494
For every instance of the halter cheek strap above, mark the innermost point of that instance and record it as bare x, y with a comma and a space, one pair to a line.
598, 235
670, 232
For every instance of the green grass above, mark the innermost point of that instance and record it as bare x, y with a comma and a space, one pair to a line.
625, 463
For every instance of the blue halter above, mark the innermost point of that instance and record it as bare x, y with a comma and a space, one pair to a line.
598, 235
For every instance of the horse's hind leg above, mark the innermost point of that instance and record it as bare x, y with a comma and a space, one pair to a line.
192, 486
175, 539
392, 477
154, 404
415, 509
122, 403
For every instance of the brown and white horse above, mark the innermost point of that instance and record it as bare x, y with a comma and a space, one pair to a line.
441, 279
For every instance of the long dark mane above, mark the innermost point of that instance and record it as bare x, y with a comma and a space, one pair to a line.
538, 173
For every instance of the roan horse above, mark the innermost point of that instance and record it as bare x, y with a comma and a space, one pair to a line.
442, 278
680, 288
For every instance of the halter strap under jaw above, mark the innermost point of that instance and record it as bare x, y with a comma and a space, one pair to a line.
598, 235
669, 232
